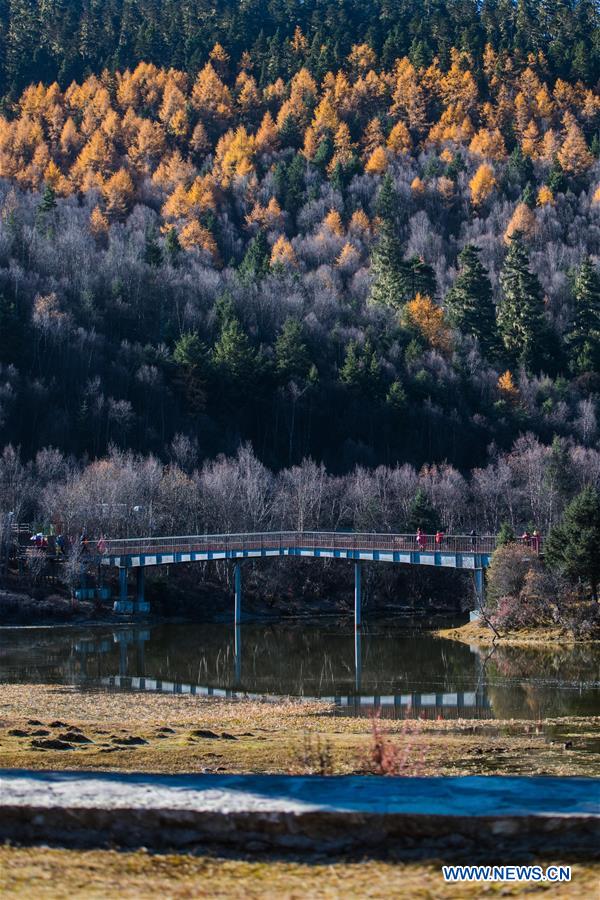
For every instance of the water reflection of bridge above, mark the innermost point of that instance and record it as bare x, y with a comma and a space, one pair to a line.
459, 704
408, 704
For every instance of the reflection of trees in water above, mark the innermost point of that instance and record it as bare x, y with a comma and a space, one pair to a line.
549, 681
311, 661
295, 659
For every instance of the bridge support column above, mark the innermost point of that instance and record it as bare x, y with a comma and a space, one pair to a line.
237, 654
479, 577
357, 660
357, 593
140, 600
123, 604
237, 580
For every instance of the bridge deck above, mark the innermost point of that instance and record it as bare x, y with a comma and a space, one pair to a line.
454, 551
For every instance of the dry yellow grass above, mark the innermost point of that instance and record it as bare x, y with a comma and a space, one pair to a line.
49, 874
479, 633
271, 737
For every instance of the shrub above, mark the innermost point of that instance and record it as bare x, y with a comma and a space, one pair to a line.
507, 573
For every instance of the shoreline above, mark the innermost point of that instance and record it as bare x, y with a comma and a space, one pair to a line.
479, 634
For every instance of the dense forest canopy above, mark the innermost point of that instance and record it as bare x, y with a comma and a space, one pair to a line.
362, 233
67, 40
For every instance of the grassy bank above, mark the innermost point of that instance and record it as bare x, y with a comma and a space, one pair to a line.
51, 873
179, 733
480, 634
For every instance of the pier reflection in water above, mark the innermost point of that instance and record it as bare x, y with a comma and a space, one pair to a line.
379, 666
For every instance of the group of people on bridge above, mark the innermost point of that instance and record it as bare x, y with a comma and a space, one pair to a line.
533, 539
422, 539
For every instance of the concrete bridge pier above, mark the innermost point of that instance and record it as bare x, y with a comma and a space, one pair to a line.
237, 581
479, 577
141, 606
123, 604
357, 625
357, 593
357, 659
237, 654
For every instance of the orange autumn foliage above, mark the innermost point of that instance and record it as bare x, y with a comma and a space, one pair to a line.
428, 318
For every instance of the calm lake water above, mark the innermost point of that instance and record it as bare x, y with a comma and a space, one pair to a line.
402, 672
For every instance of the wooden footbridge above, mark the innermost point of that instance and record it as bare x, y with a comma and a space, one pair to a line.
465, 552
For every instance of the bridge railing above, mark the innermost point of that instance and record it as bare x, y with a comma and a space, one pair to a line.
307, 540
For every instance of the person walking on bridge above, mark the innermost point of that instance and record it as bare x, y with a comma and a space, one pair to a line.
421, 539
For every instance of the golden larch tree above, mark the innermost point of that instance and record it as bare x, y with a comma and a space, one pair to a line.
482, 184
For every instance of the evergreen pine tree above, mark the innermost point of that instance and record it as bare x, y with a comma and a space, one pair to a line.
289, 133
46, 206
422, 514
396, 399
520, 313
520, 167
152, 251
256, 262
361, 370
469, 301
572, 546
557, 180
232, 353
324, 153
559, 474
506, 535
172, 245
48, 201
390, 274
294, 185
387, 202
583, 337
291, 354
420, 279
350, 371
192, 360
528, 195
455, 167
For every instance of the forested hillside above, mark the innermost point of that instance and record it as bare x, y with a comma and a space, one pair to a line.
364, 233
66, 40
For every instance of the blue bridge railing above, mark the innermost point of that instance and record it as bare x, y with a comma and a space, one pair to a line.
308, 540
